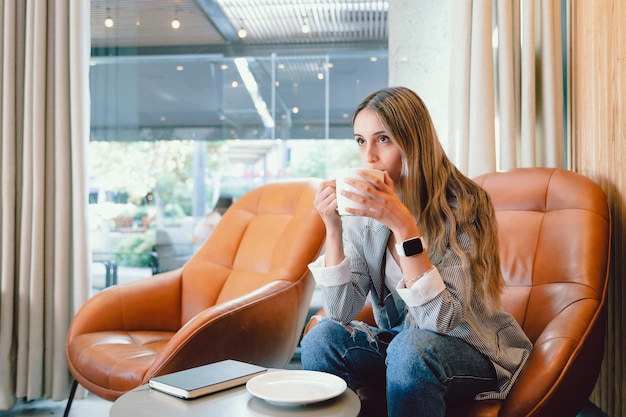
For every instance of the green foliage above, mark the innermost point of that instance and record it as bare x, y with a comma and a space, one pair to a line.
137, 168
136, 249
318, 158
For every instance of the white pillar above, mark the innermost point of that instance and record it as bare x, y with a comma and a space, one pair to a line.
419, 53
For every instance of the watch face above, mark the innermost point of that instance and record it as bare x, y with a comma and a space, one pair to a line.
413, 247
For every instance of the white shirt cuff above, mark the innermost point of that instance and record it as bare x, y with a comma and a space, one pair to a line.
423, 290
330, 276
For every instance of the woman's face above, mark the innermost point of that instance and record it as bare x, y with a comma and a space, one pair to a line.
376, 149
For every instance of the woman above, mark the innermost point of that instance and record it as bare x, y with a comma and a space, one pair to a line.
425, 250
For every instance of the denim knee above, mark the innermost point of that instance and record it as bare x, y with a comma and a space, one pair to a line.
415, 342
414, 350
351, 354
319, 335
319, 345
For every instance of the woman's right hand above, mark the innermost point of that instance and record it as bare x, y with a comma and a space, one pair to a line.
326, 204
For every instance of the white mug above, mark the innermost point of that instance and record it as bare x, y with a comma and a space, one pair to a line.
342, 201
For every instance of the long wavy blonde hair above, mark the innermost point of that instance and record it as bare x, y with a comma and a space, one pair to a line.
444, 202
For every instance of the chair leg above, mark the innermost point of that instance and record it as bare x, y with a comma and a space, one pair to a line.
70, 399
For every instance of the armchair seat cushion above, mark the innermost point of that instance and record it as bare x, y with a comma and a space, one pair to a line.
117, 359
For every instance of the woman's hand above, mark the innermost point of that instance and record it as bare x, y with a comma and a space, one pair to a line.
383, 204
326, 204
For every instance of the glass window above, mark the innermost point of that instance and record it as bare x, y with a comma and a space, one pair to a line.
176, 138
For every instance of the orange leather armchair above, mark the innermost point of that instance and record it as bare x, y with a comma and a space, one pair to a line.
244, 295
554, 230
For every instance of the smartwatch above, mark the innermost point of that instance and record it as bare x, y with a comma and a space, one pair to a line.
410, 247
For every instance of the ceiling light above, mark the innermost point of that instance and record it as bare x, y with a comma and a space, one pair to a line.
179, 68
295, 110
320, 76
242, 33
175, 22
305, 27
253, 90
108, 22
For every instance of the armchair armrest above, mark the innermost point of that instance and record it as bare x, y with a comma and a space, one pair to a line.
560, 353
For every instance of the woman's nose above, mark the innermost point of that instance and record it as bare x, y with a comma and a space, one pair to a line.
370, 154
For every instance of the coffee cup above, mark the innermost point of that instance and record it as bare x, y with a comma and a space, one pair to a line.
344, 202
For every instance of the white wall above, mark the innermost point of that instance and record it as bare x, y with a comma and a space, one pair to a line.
419, 53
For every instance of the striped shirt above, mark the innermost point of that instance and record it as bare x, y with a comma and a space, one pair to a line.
444, 302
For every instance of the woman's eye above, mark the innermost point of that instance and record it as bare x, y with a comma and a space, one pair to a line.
383, 139
360, 141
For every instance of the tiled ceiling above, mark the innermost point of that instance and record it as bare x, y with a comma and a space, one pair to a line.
147, 23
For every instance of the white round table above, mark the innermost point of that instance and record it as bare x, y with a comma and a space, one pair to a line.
145, 401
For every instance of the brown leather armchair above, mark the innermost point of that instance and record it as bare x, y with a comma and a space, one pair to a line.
554, 230
244, 295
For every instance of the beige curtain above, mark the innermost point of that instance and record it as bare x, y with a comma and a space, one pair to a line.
506, 65
44, 122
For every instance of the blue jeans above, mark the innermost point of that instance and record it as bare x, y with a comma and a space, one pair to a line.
418, 370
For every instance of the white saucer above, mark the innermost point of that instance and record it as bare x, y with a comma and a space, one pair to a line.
295, 387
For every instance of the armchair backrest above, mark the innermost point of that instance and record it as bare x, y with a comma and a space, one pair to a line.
554, 229
262, 238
